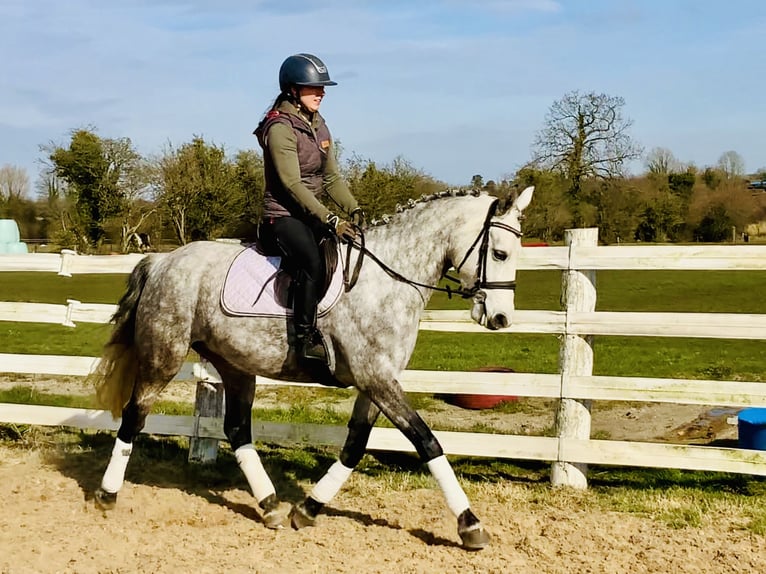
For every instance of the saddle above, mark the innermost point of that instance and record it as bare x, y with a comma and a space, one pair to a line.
260, 285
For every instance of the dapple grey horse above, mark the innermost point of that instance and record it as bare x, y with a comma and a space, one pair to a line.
173, 302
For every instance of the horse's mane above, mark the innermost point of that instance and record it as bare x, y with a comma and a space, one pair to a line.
505, 202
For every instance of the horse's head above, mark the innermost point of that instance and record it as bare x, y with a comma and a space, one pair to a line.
489, 265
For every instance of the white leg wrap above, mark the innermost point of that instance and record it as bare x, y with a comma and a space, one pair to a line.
326, 489
442, 471
115, 471
252, 467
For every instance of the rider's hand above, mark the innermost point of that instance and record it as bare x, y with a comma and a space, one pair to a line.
345, 230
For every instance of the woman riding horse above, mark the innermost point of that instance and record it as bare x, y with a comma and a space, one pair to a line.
300, 168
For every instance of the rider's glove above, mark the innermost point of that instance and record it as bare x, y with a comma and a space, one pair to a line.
342, 228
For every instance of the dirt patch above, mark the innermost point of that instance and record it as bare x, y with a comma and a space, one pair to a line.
168, 522
49, 524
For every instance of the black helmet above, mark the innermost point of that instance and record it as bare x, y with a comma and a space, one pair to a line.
303, 70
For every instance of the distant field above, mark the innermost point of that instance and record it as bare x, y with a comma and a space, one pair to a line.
668, 291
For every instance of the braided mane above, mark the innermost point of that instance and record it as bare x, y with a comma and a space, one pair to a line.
385, 218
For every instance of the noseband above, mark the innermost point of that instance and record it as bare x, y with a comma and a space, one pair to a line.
481, 265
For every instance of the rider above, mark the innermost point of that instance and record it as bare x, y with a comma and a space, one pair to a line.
300, 169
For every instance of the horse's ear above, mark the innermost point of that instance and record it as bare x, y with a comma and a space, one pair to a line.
512, 200
524, 198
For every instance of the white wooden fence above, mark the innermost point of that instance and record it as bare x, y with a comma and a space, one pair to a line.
570, 451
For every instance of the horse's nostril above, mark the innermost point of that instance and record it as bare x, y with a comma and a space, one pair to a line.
500, 321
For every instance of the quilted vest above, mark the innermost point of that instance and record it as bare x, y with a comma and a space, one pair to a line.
277, 201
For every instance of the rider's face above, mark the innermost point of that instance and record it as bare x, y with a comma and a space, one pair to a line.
311, 97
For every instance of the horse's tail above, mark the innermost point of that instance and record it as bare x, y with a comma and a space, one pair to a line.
115, 375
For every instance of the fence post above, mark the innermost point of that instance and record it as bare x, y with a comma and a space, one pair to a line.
208, 403
578, 294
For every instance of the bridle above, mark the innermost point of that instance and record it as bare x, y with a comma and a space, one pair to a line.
481, 264
350, 277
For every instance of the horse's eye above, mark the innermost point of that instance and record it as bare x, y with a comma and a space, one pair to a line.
499, 255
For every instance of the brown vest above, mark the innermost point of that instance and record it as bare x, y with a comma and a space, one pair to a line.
277, 201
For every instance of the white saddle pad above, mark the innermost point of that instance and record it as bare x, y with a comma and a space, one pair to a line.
249, 287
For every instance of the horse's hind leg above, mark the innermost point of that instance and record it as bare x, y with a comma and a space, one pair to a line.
362, 419
393, 404
239, 392
145, 393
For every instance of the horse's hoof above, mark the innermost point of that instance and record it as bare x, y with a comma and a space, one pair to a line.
475, 539
471, 531
105, 500
300, 518
276, 518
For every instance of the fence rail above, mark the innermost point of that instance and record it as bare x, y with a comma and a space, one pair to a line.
575, 384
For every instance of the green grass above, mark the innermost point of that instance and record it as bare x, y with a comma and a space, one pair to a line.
38, 287
659, 291
26, 395
649, 291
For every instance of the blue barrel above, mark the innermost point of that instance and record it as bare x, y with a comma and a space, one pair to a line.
751, 428
17, 248
9, 231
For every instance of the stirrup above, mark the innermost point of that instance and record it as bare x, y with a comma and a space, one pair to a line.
311, 347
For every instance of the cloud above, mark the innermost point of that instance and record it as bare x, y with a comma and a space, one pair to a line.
432, 71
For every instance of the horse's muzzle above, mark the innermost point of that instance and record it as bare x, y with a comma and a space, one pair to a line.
480, 316
479, 309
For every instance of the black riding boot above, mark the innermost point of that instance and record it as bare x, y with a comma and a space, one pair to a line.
309, 345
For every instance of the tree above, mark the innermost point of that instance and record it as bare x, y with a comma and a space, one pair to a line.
249, 178
716, 225
52, 197
477, 182
14, 182
618, 205
585, 136
712, 177
661, 161
660, 220
548, 215
379, 189
682, 184
713, 212
731, 165
196, 187
103, 177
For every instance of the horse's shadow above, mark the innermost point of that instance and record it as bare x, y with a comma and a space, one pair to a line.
162, 463
366, 520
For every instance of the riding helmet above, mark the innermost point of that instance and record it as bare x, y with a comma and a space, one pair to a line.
303, 70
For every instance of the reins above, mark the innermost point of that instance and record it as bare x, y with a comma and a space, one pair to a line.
350, 277
350, 282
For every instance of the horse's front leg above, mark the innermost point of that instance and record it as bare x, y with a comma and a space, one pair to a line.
393, 403
364, 415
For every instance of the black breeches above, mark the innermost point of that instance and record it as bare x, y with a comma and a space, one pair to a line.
299, 244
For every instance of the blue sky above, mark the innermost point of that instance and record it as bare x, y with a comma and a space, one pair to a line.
457, 87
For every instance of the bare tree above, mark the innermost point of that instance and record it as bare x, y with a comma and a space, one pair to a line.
661, 161
731, 164
14, 182
585, 136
